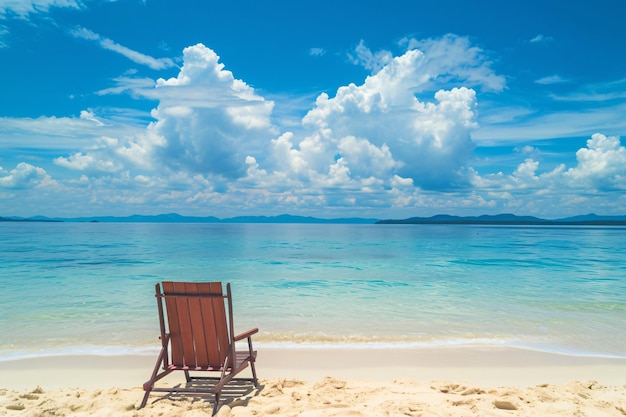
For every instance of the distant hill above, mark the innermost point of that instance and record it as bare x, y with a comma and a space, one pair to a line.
512, 219
137, 218
177, 218
499, 219
19, 219
286, 218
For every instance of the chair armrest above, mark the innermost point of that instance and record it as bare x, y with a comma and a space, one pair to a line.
246, 334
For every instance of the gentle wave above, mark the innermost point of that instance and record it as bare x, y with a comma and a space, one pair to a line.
91, 350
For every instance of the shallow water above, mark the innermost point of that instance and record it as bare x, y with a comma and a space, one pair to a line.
89, 287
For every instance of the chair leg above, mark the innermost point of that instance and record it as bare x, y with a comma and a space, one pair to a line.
145, 400
254, 377
216, 403
147, 386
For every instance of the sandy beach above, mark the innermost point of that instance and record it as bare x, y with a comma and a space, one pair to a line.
467, 381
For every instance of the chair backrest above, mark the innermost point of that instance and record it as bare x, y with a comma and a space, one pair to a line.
197, 322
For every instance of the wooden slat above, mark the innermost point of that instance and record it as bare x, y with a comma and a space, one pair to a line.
208, 321
184, 323
220, 323
197, 327
173, 324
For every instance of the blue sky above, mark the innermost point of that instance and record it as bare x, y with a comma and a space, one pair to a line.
330, 109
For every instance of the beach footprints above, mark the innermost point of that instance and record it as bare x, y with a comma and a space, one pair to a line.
451, 388
13, 401
477, 400
329, 397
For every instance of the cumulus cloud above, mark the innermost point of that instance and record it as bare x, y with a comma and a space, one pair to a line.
25, 176
600, 168
207, 122
136, 57
601, 165
380, 129
100, 158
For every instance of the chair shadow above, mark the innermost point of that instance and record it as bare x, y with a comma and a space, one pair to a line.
238, 392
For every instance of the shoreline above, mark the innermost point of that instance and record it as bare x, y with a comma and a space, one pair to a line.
485, 365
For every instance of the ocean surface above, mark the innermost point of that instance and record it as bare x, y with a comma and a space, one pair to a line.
68, 288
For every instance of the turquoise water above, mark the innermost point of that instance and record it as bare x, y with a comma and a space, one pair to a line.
89, 287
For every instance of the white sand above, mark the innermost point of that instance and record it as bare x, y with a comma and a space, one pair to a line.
333, 382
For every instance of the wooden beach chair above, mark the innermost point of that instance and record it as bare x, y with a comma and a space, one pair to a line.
197, 336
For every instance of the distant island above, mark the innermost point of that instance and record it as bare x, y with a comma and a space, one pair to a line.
512, 219
20, 219
499, 219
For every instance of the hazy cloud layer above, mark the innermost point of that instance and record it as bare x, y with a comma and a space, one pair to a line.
23, 8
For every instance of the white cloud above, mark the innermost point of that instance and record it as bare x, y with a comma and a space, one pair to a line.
559, 124
3, 33
25, 176
207, 122
551, 79
596, 92
526, 149
428, 142
63, 133
317, 51
89, 115
137, 57
601, 165
133, 85
93, 161
23, 8
453, 61
369, 60
365, 159
542, 39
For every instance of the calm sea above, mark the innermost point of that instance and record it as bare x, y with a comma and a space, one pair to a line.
89, 287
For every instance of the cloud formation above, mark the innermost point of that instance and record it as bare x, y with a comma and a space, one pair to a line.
601, 165
399, 140
24, 176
